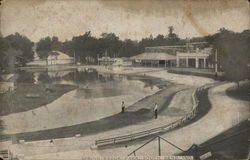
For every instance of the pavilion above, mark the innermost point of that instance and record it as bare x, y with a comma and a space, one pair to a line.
155, 59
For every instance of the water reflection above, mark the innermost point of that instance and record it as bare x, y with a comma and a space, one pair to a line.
90, 83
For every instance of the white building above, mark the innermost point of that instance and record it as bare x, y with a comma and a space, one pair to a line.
55, 58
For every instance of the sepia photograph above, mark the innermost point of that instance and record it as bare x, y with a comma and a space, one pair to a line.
124, 79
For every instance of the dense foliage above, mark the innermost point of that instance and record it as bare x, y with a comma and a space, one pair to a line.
233, 53
15, 49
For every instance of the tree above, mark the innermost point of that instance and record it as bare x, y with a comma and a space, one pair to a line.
13, 58
3, 57
56, 45
22, 43
233, 53
159, 40
68, 48
44, 47
145, 42
110, 43
128, 48
85, 47
172, 38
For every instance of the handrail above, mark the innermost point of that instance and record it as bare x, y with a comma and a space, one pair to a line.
156, 130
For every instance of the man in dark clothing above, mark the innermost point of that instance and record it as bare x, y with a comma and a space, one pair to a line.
155, 110
123, 107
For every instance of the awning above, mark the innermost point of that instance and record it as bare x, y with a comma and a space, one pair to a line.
154, 56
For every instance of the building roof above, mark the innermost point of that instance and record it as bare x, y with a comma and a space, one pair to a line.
192, 54
154, 56
59, 56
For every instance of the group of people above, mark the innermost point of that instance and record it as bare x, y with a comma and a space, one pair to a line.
155, 109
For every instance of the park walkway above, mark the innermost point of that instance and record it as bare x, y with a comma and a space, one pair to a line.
225, 113
222, 116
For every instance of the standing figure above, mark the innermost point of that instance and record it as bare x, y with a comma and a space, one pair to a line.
155, 110
123, 107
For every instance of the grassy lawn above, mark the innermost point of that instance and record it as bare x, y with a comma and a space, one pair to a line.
30, 96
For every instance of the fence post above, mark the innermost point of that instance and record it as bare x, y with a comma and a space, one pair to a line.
8, 153
159, 145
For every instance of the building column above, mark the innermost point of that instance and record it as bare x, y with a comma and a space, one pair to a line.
187, 62
177, 62
196, 62
205, 64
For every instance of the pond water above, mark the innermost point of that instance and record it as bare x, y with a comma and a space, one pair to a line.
89, 82
92, 97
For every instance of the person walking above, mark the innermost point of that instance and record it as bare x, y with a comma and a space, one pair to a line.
123, 107
155, 110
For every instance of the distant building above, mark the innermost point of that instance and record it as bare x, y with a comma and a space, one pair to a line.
197, 58
55, 58
154, 59
194, 55
123, 61
105, 60
58, 57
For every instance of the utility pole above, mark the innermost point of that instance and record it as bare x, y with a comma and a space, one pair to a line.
98, 59
74, 57
216, 63
106, 59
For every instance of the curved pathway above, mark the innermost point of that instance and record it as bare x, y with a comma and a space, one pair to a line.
224, 114
139, 112
166, 115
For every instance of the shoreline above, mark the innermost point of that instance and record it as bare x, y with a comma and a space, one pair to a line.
161, 84
114, 122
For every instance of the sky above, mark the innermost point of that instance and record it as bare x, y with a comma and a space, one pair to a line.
133, 19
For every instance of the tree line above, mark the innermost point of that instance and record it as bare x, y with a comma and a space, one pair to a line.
86, 46
232, 48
